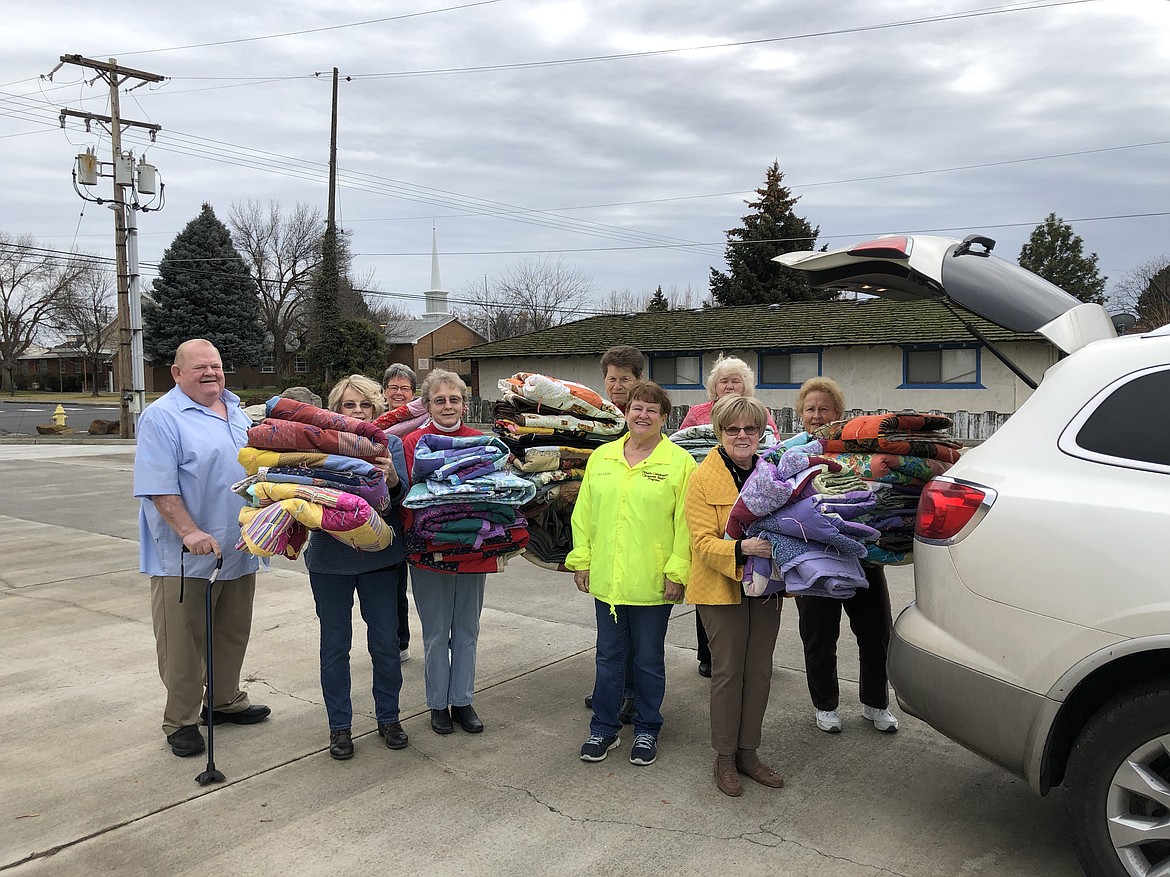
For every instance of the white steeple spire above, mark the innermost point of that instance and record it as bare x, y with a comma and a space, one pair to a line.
436, 296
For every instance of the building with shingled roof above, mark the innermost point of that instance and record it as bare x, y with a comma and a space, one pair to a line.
886, 355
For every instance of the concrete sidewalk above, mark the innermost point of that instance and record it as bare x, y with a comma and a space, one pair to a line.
88, 785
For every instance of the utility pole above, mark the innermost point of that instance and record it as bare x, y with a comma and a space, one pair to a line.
325, 310
130, 370
332, 218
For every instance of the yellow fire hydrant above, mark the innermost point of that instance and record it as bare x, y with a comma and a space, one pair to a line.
59, 415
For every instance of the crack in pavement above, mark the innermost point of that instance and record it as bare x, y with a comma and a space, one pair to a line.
752, 837
17, 593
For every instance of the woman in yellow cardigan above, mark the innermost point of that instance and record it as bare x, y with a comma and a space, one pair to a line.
742, 629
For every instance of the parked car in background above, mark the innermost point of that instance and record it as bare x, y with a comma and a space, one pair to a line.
1040, 633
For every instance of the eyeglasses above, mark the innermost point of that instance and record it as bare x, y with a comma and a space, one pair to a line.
350, 406
446, 400
400, 388
746, 430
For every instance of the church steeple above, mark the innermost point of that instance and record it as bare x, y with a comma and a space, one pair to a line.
436, 296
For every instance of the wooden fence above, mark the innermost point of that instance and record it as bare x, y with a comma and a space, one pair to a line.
968, 426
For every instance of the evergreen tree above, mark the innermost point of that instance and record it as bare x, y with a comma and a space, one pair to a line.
1057, 255
358, 349
325, 315
204, 290
772, 228
658, 302
1153, 305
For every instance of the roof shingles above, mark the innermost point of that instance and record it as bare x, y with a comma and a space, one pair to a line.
793, 324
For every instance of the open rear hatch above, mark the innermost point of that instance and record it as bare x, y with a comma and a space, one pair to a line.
964, 273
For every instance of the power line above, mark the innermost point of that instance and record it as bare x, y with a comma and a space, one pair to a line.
590, 59
297, 33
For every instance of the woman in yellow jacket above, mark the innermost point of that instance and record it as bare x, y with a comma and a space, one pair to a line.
742, 630
632, 552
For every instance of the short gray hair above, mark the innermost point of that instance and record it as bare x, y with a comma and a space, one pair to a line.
437, 378
400, 370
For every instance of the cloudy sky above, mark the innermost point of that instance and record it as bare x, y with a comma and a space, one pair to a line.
622, 137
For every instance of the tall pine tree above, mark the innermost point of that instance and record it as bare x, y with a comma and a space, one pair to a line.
658, 302
204, 290
325, 314
770, 229
1057, 255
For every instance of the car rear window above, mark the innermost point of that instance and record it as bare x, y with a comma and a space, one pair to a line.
1133, 422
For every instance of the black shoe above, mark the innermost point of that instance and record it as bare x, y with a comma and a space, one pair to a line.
626, 711
340, 744
257, 712
589, 701
441, 722
393, 735
705, 669
186, 741
467, 719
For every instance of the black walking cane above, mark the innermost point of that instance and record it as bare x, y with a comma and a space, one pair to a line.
210, 775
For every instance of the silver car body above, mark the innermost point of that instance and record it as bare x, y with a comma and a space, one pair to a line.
1064, 572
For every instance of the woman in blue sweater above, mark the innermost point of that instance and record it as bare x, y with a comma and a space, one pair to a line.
336, 571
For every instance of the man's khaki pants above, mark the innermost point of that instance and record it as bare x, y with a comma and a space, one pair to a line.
180, 635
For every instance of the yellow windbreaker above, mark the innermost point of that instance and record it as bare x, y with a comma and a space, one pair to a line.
629, 526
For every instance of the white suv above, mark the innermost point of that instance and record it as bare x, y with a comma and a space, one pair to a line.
1040, 636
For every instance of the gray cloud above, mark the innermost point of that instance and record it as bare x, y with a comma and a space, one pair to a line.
900, 100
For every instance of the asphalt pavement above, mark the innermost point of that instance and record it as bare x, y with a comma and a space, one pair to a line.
21, 418
88, 785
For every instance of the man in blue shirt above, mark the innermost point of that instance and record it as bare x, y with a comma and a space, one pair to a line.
184, 467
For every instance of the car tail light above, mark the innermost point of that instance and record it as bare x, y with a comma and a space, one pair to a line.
884, 248
946, 507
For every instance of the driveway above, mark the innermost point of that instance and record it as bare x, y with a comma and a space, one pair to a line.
88, 786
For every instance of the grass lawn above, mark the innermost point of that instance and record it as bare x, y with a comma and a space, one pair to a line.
107, 399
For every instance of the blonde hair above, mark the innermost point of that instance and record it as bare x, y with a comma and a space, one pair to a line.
366, 386
732, 408
437, 378
821, 385
731, 365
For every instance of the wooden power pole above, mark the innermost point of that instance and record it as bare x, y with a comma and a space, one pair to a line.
115, 75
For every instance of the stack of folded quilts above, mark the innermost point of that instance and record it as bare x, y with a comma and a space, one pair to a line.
700, 439
551, 426
896, 454
311, 469
404, 419
541, 410
807, 508
464, 501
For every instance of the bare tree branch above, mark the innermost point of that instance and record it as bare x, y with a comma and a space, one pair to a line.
1145, 292
528, 297
281, 251
32, 284
85, 316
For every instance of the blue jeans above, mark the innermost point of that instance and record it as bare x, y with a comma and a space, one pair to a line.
638, 634
403, 607
333, 596
449, 605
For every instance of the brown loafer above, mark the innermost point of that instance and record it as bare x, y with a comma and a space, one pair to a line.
726, 776
758, 771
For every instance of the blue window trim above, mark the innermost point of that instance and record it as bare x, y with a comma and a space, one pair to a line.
773, 351
675, 355
977, 384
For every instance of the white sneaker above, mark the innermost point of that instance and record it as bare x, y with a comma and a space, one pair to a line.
884, 720
829, 721
403, 656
